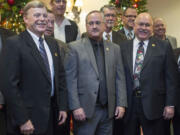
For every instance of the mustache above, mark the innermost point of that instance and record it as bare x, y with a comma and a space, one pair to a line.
95, 30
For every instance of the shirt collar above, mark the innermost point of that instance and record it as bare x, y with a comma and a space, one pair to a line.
136, 40
127, 31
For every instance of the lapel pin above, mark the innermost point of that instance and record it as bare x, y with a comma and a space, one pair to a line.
153, 45
56, 54
107, 49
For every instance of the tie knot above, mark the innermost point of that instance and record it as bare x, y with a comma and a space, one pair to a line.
108, 36
41, 39
141, 43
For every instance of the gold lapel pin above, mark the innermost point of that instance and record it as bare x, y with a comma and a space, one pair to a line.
153, 45
107, 49
56, 54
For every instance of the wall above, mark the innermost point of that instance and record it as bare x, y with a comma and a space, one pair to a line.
169, 10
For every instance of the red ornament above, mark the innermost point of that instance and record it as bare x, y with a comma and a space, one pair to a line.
21, 12
135, 5
117, 2
10, 2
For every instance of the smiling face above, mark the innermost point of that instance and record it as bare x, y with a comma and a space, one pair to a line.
36, 20
159, 28
143, 26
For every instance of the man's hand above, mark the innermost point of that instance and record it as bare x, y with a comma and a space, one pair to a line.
1, 107
62, 117
27, 128
119, 113
79, 114
168, 112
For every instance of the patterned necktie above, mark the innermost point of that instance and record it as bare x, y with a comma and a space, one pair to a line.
138, 64
44, 56
129, 36
108, 37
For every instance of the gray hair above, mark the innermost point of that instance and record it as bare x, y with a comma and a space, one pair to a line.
95, 11
108, 6
33, 4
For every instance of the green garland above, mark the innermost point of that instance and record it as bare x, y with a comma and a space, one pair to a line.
121, 5
11, 14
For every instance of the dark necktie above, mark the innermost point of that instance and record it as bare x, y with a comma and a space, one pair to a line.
138, 64
44, 56
108, 37
101, 68
129, 36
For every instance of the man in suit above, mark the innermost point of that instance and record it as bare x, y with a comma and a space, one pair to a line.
110, 17
151, 76
32, 77
4, 34
159, 29
128, 17
96, 82
50, 32
64, 29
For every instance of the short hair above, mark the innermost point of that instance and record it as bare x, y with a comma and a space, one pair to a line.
33, 4
49, 11
124, 12
95, 11
108, 6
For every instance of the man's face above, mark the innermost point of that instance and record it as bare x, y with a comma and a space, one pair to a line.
50, 25
36, 20
143, 27
95, 26
59, 7
110, 17
129, 18
159, 28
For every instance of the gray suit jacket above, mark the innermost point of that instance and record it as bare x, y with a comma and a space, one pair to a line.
82, 77
172, 41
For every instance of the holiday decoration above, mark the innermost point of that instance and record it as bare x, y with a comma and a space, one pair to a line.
121, 5
12, 14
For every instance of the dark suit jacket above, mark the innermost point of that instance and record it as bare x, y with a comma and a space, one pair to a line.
123, 33
158, 77
4, 33
26, 85
118, 38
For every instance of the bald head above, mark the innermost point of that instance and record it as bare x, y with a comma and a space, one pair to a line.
143, 26
159, 28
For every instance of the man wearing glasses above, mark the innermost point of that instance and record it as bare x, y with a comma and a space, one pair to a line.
110, 16
95, 80
128, 18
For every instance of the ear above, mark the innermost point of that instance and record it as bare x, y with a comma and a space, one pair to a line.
25, 19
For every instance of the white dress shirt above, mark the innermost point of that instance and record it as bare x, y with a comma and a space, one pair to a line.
104, 35
48, 52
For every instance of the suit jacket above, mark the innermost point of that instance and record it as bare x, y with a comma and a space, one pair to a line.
118, 38
123, 33
158, 78
25, 83
4, 33
172, 41
83, 77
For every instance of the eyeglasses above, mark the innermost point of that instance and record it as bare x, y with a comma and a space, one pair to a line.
130, 16
91, 23
108, 15
144, 24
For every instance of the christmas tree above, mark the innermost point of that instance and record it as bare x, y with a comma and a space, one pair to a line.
121, 5
11, 14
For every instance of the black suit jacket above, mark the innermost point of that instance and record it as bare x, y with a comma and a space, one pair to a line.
123, 33
118, 38
26, 85
158, 77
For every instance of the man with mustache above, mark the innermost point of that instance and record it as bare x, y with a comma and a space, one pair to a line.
32, 77
110, 16
159, 29
95, 80
152, 83
128, 17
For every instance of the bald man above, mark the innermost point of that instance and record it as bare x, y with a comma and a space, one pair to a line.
159, 29
151, 76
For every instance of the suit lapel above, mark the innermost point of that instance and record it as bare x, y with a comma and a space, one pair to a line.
148, 54
107, 51
90, 51
130, 55
35, 52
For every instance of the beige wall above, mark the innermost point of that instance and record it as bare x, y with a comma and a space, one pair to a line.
169, 10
